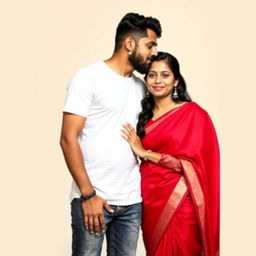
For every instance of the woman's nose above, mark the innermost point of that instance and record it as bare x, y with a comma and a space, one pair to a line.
158, 80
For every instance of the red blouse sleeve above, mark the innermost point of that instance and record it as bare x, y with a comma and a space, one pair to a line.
170, 162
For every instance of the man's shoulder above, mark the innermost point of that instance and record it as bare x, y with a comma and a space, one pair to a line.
91, 68
87, 73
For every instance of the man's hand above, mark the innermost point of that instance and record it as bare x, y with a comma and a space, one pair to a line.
93, 214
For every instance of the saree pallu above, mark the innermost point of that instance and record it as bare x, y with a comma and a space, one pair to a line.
181, 192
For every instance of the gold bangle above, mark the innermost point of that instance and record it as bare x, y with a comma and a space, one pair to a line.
146, 155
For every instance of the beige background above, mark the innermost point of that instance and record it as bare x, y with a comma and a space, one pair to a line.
44, 42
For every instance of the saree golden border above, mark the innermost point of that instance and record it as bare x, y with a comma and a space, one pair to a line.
161, 119
198, 196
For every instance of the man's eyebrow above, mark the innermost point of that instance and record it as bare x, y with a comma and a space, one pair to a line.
152, 43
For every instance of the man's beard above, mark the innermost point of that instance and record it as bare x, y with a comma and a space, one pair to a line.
137, 62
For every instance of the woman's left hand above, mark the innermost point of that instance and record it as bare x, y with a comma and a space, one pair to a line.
129, 134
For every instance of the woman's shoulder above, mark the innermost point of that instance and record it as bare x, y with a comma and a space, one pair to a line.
196, 109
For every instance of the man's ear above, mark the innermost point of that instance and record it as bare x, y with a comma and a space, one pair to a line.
129, 44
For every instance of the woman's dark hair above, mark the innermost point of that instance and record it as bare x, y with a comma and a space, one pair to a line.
148, 102
134, 24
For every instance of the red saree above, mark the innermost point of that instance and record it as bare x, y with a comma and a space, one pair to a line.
181, 192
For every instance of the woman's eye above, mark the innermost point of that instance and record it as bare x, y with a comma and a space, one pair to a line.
165, 75
151, 75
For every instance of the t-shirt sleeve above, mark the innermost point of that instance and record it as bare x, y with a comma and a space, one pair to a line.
79, 94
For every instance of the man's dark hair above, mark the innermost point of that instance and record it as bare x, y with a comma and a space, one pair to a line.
135, 25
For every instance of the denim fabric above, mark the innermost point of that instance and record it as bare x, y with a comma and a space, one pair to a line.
122, 231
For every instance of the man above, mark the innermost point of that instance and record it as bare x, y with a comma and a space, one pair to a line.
101, 97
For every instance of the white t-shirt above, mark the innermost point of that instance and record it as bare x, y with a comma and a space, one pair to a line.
107, 100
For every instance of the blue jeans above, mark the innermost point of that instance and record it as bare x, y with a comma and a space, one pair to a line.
122, 231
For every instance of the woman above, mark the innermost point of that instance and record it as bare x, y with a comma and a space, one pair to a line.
177, 144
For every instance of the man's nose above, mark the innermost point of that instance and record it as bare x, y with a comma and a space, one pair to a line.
154, 51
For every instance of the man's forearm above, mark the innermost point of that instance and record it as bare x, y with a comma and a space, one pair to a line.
74, 160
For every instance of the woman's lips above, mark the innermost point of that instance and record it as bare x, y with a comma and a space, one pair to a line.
158, 88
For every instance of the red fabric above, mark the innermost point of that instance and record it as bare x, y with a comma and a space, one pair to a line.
182, 237
170, 162
185, 133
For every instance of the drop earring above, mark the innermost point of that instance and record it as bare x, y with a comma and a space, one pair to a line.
175, 94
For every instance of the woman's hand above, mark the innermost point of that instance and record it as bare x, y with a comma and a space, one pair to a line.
133, 139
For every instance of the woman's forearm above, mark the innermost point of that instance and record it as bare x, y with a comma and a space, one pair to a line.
165, 160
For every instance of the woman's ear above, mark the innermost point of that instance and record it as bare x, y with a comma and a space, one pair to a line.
176, 82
